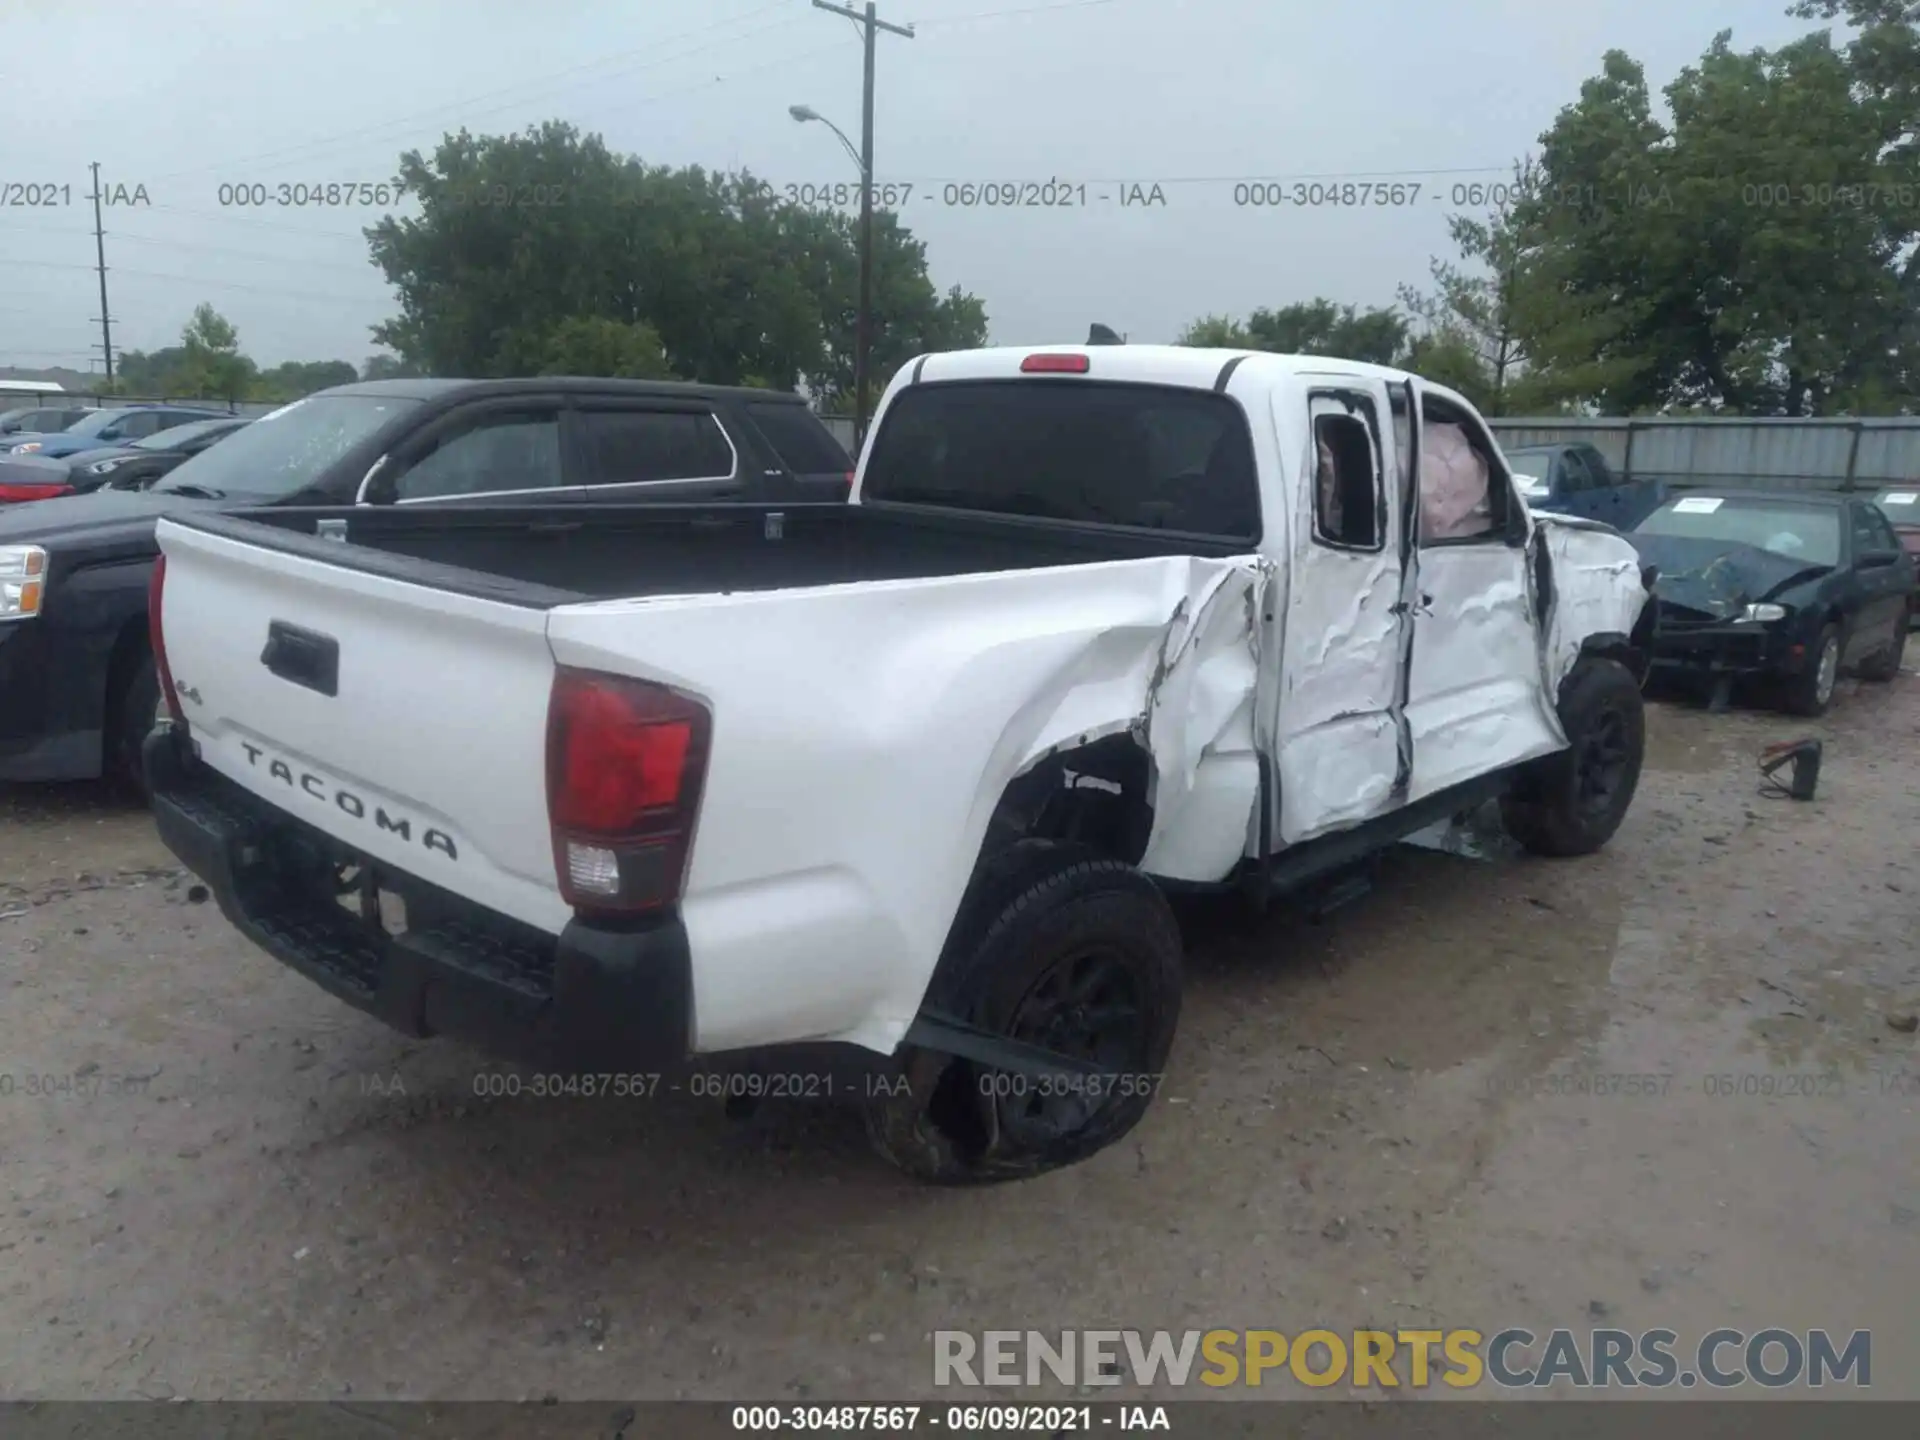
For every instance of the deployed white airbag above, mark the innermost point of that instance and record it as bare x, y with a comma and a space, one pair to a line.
1453, 484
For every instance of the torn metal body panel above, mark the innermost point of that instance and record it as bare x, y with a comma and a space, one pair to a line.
1595, 577
865, 734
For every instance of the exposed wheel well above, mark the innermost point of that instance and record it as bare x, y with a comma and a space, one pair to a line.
1090, 801
1635, 652
1094, 796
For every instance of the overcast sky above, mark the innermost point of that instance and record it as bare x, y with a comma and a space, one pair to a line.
184, 97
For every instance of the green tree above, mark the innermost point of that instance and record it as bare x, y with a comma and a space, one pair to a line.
387, 367
211, 364
1311, 327
1217, 332
521, 235
1738, 267
593, 345
294, 378
1448, 354
1532, 342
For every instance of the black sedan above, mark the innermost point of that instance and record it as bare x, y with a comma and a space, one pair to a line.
124, 467
1783, 589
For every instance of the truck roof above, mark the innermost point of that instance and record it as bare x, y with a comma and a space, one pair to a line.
1159, 365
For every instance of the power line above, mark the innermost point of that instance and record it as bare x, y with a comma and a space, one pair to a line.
539, 88
248, 220
787, 61
1022, 10
196, 280
240, 254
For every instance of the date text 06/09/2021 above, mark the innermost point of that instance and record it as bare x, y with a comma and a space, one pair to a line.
955, 1419
785, 1085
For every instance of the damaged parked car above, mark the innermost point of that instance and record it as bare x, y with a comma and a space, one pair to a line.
1777, 592
903, 780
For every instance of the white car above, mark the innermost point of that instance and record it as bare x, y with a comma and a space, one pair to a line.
906, 778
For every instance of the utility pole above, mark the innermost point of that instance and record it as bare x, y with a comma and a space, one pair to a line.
871, 24
100, 260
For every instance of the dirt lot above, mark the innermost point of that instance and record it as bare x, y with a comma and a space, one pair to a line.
1377, 1118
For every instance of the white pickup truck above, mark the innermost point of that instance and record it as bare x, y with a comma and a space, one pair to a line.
908, 779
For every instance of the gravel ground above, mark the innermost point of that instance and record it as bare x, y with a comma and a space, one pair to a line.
1377, 1118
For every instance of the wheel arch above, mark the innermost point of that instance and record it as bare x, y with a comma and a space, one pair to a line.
1088, 801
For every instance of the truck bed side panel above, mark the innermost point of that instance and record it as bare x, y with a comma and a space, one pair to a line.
863, 735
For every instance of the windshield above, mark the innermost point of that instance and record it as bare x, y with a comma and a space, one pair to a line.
1902, 507
94, 421
181, 435
1532, 471
1798, 532
1139, 455
287, 450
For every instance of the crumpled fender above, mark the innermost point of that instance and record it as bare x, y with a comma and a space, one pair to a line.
1596, 590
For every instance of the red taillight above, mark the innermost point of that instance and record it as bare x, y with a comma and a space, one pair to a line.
157, 640
625, 763
1054, 365
19, 493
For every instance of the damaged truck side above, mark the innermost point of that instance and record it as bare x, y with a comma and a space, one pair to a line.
902, 782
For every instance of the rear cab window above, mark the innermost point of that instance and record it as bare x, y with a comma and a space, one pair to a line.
1107, 453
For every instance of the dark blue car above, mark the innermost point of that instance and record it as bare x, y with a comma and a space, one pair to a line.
1576, 480
100, 428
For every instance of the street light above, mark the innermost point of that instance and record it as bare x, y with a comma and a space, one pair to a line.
864, 321
804, 113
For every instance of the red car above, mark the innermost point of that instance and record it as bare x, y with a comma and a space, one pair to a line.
1902, 507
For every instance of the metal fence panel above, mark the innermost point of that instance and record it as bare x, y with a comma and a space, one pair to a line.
1767, 454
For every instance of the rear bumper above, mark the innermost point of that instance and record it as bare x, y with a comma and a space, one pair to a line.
593, 999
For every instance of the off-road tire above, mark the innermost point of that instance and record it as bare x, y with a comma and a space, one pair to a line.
1554, 808
1802, 695
941, 1120
1886, 664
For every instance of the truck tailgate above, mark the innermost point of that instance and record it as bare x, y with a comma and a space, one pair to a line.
409, 722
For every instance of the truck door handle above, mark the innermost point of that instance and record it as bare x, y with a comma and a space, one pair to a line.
303, 657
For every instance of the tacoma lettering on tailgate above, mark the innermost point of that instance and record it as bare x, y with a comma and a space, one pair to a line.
321, 788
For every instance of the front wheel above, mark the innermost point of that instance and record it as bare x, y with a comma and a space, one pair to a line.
1083, 960
1572, 802
1811, 692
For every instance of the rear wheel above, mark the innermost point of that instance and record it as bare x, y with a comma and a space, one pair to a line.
1083, 959
131, 714
1811, 692
1886, 664
1572, 802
